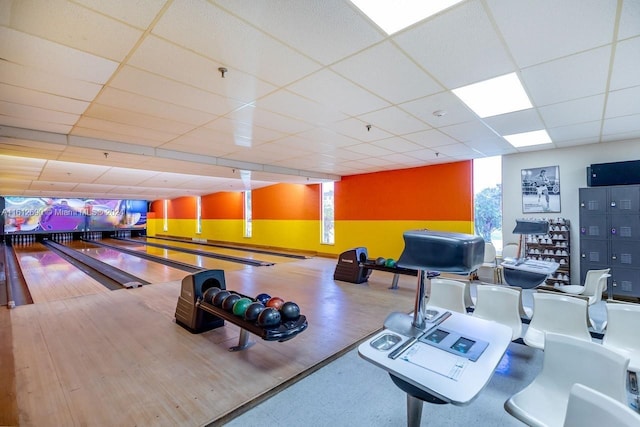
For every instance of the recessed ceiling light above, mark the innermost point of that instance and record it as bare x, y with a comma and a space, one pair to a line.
526, 139
492, 97
393, 16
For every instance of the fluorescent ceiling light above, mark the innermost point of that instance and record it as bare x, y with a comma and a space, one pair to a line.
492, 97
536, 137
393, 16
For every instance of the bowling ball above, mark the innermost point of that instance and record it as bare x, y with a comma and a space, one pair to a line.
209, 294
275, 302
227, 303
253, 310
290, 310
219, 297
380, 261
263, 298
269, 318
390, 262
241, 306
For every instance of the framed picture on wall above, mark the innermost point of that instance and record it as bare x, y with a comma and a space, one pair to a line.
541, 189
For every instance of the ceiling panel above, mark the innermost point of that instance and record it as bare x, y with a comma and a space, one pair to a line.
592, 26
75, 26
460, 59
389, 73
19, 95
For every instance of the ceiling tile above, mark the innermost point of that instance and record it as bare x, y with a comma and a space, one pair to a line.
386, 71
626, 64
136, 119
31, 78
577, 131
571, 112
344, 30
623, 102
158, 56
19, 95
162, 89
75, 26
441, 109
394, 121
430, 138
137, 13
629, 19
468, 131
516, 122
29, 123
534, 40
328, 88
556, 81
458, 60
133, 102
622, 125
216, 34
300, 108
44, 55
35, 113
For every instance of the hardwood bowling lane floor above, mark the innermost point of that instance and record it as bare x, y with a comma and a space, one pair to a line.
118, 358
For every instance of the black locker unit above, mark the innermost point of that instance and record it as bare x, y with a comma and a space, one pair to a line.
610, 236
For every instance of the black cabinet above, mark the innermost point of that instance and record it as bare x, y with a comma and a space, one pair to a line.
610, 236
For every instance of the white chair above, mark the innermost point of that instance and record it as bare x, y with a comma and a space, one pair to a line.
595, 283
510, 250
499, 304
448, 294
559, 314
488, 270
589, 407
623, 334
568, 361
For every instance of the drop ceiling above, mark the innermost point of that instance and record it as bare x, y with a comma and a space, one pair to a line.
124, 99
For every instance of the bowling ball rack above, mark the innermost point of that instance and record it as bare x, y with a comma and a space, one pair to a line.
371, 265
287, 329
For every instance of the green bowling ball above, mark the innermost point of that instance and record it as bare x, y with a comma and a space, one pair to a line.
390, 262
241, 305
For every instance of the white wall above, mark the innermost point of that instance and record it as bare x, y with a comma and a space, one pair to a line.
573, 162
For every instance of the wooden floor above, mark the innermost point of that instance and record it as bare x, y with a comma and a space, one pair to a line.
118, 357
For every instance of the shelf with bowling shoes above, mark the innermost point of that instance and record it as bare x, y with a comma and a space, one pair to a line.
553, 246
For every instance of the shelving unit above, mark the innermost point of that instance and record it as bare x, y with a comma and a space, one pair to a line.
553, 246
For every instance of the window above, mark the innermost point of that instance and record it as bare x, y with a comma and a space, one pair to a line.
487, 189
198, 215
165, 220
328, 235
247, 213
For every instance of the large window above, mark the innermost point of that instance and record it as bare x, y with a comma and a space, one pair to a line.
198, 215
165, 220
328, 235
247, 213
487, 189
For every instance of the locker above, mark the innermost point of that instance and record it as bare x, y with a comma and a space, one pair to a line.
594, 252
624, 254
593, 201
625, 281
594, 227
624, 199
624, 227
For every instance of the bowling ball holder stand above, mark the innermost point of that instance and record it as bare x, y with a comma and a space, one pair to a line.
287, 329
397, 271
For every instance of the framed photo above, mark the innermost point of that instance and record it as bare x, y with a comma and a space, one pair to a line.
541, 189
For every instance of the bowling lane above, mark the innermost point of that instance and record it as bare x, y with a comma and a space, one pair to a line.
200, 261
223, 251
50, 277
153, 272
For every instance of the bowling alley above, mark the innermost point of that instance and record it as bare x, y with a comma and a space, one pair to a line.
354, 213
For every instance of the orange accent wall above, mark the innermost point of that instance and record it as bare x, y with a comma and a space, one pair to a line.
225, 205
182, 208
286, 201
437, 192
157, 207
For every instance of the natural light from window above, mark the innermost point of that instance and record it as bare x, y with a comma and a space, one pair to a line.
487, 189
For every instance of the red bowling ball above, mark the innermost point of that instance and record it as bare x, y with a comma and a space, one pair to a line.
275, 302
